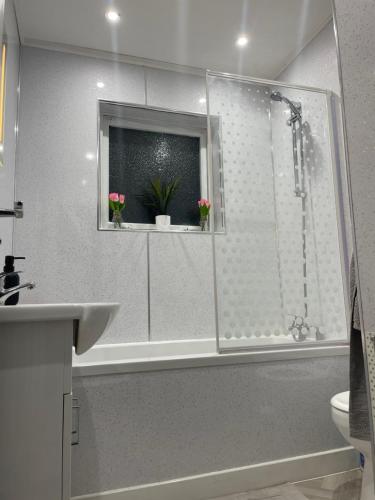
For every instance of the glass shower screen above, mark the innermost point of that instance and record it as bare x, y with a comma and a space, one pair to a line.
278, 256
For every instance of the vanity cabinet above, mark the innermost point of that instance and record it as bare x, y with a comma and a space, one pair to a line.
36, 394
36, 406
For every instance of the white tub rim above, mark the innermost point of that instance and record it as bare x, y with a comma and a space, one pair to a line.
207, 357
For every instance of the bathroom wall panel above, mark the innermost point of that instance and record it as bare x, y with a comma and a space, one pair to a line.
149, 427
179, 91
59, 186
316, 65
68, 258
355, 23
181, 286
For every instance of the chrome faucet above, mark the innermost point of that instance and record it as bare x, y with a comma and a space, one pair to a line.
5, 293
16, 212
301, 330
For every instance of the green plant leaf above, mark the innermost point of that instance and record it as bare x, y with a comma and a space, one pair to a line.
159, 195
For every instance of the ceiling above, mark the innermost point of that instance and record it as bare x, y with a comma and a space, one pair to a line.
198, 33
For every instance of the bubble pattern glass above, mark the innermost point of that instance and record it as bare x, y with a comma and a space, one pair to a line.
258, 258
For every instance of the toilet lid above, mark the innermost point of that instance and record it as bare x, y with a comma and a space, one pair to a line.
341, 401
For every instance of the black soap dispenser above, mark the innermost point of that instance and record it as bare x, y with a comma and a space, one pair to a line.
12, 280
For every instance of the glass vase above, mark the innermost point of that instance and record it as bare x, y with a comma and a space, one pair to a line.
117, 219
203, 223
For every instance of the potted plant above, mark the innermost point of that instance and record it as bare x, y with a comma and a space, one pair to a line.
117, 205
158, 197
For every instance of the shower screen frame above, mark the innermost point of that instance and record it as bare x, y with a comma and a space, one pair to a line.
338, 158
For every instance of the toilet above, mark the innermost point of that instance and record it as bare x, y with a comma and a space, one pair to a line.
340, 416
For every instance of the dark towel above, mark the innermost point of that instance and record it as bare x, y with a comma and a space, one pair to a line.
358, 404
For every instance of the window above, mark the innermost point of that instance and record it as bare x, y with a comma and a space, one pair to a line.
141, 144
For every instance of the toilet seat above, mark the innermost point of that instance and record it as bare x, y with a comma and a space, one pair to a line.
341, 401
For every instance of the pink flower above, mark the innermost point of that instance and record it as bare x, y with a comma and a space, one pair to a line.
122, 199
204, 203
114, 196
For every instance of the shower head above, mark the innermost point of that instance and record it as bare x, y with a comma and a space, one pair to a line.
295, 109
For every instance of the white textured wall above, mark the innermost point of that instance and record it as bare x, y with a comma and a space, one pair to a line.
142, 428
72, 261
68, 258
316, 65
356, 35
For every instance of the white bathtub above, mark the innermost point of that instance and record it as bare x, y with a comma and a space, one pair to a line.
105, 359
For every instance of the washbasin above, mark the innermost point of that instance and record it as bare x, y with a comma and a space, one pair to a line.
90, 320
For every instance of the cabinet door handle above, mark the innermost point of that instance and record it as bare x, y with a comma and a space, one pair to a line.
75, 421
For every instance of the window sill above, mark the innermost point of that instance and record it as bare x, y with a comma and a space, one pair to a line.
109, 226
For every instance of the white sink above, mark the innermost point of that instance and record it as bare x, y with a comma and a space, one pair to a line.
91, 319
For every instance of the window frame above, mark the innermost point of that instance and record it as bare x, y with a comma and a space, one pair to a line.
116, 119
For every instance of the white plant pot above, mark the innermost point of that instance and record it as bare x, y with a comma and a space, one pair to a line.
162, 221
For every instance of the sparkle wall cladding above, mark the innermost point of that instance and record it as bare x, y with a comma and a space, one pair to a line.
259, 261
63, 88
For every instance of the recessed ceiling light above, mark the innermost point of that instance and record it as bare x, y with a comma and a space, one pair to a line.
112, 16
100, 85
242, 41
90, 156
202, 100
